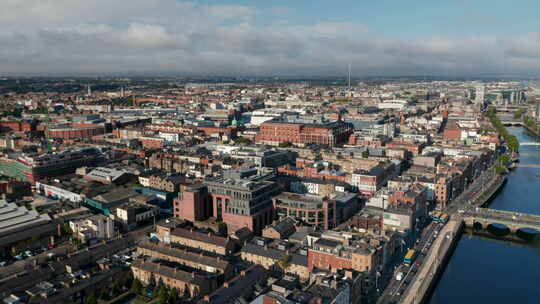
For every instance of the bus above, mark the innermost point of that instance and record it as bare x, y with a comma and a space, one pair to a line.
444, 218
409, 257
439, 217
435, 215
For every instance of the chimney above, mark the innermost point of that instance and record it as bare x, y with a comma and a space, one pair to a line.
226, 284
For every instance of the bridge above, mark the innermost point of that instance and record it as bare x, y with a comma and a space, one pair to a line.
527, 143
515, 221
520, 165
512, 122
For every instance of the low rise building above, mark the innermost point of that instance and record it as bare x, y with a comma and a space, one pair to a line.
94, 228
173, 275
199, 261
194, 239
132, 214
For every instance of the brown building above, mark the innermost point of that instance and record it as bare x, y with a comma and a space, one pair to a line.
333, 255
281, 229
269, 254
242, 285
199, 261
304, 131
152, 142
165, 182
75, 132
194, 239
173, 275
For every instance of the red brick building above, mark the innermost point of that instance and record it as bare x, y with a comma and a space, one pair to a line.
452, 133
75, 132
152, 142
414, 148
298, 132
20, 126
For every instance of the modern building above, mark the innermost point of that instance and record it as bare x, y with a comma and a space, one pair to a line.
480, 94
243, 202
34, 167
314, 210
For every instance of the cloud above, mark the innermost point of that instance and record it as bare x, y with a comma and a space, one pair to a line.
108, 36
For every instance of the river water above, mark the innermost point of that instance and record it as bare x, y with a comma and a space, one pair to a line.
487, 270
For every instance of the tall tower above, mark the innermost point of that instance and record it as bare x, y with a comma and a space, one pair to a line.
349, 77
89, 93
122, 91
480, 94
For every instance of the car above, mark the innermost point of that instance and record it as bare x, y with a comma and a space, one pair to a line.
418, 264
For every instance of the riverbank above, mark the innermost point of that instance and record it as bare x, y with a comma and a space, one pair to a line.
478, 256
531, 130
444, 245
434, 262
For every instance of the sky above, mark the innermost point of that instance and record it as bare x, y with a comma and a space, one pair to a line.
271, 37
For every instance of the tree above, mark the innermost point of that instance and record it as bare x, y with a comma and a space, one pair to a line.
162, 294
91, 299
500, 169
136, 286
174, 295
365, 154
283, 262
285, 144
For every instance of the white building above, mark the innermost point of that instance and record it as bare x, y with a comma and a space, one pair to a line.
96, 227
170, 137
57, 192
480, 94
393, 104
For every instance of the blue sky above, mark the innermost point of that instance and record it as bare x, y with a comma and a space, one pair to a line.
317, 37
405, 18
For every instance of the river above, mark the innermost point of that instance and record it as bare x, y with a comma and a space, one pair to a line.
484, 270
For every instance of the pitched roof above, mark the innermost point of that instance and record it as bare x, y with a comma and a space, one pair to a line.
200, 237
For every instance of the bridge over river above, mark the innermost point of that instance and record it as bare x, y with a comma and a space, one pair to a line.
529, 143
513, 220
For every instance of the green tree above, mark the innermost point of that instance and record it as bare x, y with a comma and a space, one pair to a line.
136, 286
174, 295
285, 144
162, 294
91, 299
365, 154
283, 262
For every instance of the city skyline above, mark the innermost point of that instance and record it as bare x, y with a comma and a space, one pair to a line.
480, 38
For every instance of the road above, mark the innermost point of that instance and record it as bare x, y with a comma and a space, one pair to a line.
395, 289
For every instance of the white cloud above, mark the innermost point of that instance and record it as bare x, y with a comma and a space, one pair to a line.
103, 36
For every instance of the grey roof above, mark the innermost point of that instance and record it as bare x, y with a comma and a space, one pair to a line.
238, 286
186, 255
168, 271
